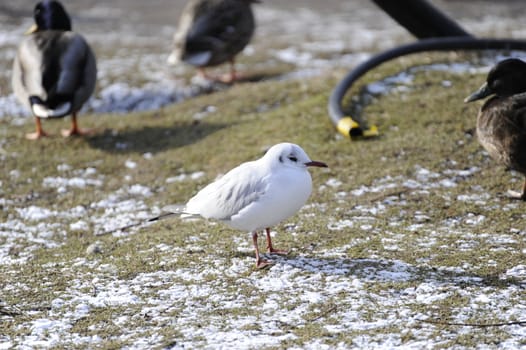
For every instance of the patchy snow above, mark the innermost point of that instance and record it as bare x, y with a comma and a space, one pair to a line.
121, 98
340, 225
34, 213
184, 177
226, 303
130, 164
329, 45
290, 280
422, 180
79, 182
296, 291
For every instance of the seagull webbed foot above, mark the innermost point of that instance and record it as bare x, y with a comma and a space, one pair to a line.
263, 264
271, 250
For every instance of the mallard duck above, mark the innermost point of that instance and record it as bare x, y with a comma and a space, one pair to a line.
211, 32
501, 121
54, 71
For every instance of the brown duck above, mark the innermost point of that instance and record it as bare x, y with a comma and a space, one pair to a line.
501, 122
211, 32
54, 71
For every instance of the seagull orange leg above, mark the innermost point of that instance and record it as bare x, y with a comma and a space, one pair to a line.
39, 133
75, 130
271, 249
260, 263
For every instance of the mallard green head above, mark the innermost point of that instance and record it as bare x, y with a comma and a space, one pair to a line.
50, 15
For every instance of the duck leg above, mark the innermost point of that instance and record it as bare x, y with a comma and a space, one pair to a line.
233, 73
39, 133
260, 263
227, 78
231, 76
202, 73
75, 130
271, 249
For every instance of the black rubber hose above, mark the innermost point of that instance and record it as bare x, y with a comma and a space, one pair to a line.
421, 18
342, 123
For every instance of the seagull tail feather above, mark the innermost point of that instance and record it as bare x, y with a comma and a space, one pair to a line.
168, 212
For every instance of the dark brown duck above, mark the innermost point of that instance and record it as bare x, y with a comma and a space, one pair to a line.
501, 121
212, 32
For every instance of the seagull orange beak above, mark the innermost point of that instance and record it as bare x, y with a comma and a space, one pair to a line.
316, 163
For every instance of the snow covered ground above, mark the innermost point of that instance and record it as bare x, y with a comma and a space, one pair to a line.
206, 305
228, 304
310, 37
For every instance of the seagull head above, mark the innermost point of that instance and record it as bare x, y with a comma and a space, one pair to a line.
290, 155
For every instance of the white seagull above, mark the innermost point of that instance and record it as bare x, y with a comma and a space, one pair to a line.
256, 195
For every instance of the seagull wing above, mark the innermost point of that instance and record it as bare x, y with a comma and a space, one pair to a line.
228, 195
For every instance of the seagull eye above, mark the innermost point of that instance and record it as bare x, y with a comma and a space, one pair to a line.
294, 159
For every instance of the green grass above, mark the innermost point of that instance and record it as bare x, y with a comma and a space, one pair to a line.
426, 127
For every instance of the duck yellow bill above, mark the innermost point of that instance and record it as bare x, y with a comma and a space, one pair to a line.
31, 29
